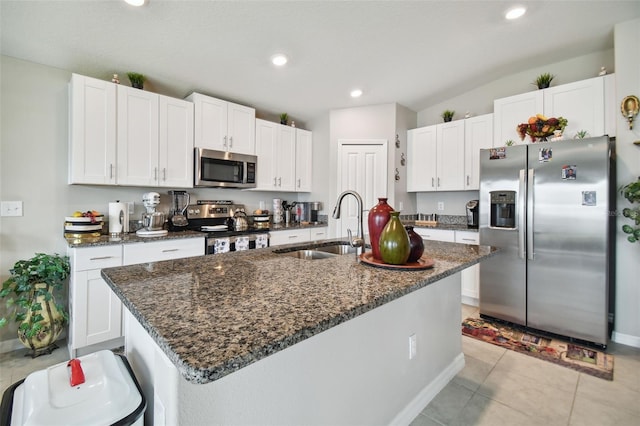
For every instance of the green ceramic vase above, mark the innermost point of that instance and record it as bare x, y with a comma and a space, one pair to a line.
394, 242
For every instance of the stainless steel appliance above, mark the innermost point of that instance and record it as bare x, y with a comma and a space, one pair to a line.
218, 220
548, 207
222, 169
152, 220
472, 214
178, 219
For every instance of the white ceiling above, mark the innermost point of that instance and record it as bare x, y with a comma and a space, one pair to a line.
416, 53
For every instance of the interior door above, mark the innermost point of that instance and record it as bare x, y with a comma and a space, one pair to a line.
362, 168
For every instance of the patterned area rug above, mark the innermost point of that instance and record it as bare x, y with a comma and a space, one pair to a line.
581, 358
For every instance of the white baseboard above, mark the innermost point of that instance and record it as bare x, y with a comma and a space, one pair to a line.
471, 301
626, 339
424, 397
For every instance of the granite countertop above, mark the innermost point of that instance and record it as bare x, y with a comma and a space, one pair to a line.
295, 225
212, 315
108, 240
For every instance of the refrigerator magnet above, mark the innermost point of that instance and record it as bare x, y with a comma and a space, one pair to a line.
569, 172
588, 198
544, 155
497, 153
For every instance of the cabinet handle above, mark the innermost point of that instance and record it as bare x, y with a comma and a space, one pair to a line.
224, 141
164, 174
433, 183
279, 181
169, 250
467, 180
293, 236
469, 239
298, 183
155, 173
275, 181
100, 258
230, 141
438, 182
110, 170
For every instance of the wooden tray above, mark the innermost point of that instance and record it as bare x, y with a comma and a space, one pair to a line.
422, 263
426, 223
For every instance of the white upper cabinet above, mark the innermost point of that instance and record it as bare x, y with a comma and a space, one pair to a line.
421, 159
587, 105
276, 151
511, 111
137, 137
92, 134
478, 134
304, 160
450, 155
581, 103
222, 125
175, 148
125, 136
155, 140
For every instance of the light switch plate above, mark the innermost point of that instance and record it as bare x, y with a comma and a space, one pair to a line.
11, 208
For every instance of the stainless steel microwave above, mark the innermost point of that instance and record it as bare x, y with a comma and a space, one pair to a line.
220, 169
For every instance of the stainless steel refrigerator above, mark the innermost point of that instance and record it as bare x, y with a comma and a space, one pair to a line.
548, 207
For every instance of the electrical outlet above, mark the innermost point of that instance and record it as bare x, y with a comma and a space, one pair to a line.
130, 207
440, 205
401, 205
11, 208
413, 346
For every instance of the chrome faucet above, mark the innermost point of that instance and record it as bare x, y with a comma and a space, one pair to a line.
357, 242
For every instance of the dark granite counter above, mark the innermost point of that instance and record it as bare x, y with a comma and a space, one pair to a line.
107, 240
287, 227
213, 315
439, 225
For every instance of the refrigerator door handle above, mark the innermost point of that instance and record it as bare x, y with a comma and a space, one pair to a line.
530, 202
521, 215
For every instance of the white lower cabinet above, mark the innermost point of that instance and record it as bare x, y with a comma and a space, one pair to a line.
470, 277
157, 251
95, 312
292, 236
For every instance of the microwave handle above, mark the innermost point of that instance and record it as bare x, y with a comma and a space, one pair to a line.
224, 141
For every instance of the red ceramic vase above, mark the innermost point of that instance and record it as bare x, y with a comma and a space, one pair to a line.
378, 218
415, 243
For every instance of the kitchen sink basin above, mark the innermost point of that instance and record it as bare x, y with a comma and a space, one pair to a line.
310, 254
337, 249
322, 252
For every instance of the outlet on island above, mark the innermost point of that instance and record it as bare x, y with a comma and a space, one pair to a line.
440, 205
413, 349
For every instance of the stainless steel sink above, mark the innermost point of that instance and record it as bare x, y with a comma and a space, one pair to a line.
322, 252
310, 254
337, 249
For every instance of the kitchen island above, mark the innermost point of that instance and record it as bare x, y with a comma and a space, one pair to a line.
258, 337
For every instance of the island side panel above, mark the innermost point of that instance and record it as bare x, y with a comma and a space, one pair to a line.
358, 372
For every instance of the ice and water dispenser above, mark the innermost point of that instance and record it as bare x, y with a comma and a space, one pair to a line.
503, 209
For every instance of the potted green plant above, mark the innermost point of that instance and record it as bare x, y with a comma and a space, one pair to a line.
447, 115
543, 80
581, 134
631, 192
137, 80
284, 118
30, 301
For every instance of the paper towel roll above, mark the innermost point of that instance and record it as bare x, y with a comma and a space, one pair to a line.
117, 217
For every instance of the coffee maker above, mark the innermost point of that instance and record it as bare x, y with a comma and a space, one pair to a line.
472, 214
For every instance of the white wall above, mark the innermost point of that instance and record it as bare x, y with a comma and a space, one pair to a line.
627, 49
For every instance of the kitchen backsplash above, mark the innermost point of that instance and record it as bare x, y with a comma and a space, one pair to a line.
441, 218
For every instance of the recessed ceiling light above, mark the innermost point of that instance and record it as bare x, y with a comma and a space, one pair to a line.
135, 2
279, 60
515, 12
356, 93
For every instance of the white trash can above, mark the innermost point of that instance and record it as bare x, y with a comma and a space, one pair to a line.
110, 395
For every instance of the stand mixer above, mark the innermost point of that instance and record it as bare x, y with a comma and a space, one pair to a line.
152, 220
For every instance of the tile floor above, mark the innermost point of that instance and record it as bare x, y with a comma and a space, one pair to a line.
496, 387
502, 387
